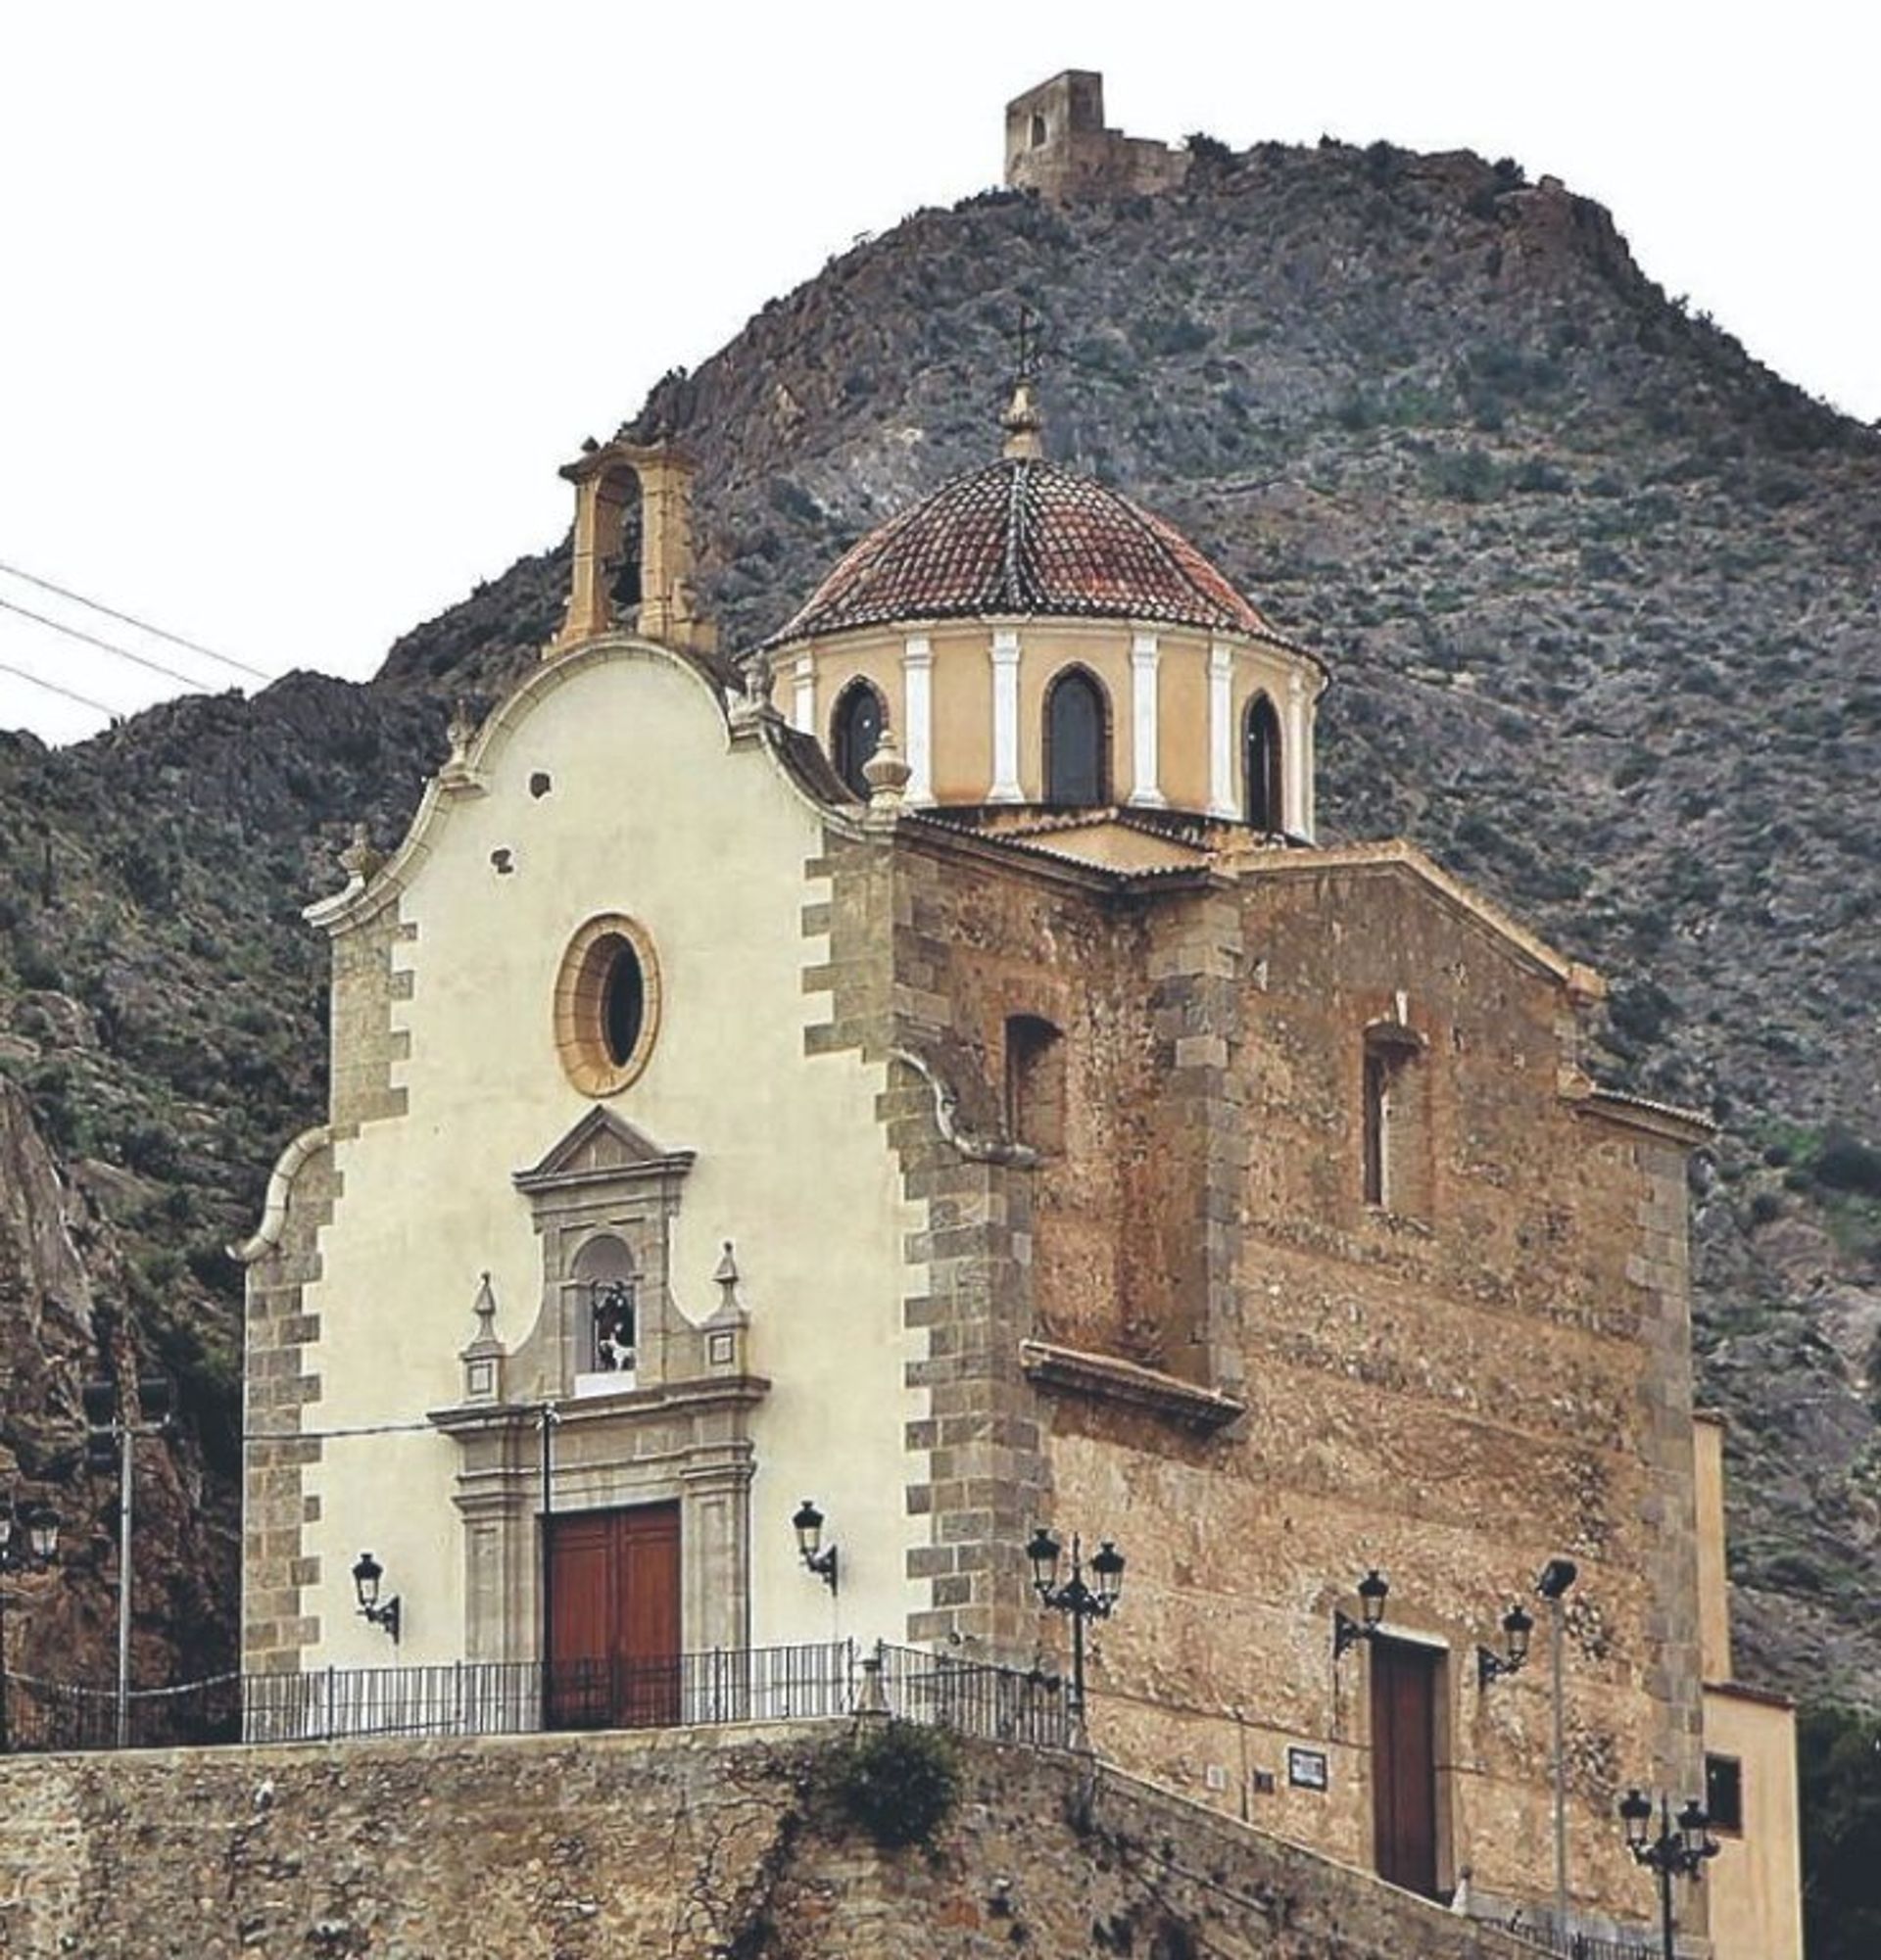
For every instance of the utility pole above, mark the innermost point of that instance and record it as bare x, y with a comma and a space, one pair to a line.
112, 1436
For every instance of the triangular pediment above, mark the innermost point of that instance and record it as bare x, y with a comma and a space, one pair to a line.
602, 1148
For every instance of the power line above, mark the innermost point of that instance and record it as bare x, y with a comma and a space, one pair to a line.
131, 619
105, 646
53, 688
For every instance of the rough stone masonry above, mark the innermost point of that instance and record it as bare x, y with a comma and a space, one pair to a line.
689, 1845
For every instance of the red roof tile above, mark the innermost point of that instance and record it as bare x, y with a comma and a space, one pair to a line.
1024, 535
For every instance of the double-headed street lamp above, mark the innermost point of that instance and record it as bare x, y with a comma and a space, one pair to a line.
1680, 1848
28, 1542
1076, 1598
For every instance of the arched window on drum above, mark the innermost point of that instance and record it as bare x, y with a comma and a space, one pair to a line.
1261, 766
1077, 741
855, 733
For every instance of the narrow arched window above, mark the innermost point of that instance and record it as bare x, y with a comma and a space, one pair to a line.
1394, 1121
1034, 1083
1266, 809
1076, 741
1037, 129
855, 733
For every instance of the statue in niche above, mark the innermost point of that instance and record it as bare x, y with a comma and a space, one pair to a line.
612, 1321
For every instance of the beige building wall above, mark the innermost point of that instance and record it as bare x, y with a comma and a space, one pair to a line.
1714, 1596
609, 782
1756, 1880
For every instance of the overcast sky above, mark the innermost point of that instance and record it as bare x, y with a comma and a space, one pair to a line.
302, 309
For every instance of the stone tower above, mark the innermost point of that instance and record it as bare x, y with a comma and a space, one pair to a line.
1057, 144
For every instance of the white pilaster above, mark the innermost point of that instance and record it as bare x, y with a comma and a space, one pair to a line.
804, 694
1220, 731
1007, 787
1298, 789
917, 696
1145, 659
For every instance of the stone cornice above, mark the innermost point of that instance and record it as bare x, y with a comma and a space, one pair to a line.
1110, 1379
1665, 1119
701, 1392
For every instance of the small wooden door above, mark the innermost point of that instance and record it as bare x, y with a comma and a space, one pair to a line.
613, 1618
1404, 1763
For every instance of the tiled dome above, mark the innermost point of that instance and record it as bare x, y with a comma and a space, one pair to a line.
1024, 535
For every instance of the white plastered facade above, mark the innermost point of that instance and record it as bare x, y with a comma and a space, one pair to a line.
652, 809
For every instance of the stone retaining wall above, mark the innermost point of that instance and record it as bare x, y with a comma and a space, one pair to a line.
684, 1845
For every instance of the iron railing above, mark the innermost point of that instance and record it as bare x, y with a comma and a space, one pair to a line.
711, 1689
1544, 1939
993, 1704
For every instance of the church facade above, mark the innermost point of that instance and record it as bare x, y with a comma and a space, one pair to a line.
929, 1068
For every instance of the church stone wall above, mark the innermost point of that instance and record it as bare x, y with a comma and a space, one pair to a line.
614, 1848
1455, 1390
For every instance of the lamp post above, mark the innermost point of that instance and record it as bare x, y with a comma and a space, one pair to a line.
110, 1437
1551, 1584
28, 1542
1681, 1847
1074, 1598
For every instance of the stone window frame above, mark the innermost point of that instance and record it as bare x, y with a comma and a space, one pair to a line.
580, 1004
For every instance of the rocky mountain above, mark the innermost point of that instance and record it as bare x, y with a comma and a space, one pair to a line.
1600, 597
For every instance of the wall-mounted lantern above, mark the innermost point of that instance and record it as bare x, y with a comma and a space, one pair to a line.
1348, 1632
1517, 1626
817, 1557
368, 1575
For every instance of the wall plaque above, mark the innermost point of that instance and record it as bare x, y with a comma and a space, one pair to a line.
1306, 1769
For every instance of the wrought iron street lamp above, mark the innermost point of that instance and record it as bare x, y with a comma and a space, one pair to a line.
367, 1577
1680, 1848
1517, 1626
1076, 1598
818, 1558
28, 1542
1348, 1632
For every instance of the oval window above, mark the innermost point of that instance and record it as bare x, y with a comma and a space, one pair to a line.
623, 1003
606, 1005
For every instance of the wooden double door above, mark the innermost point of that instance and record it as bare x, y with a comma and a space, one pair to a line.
613, 1620
1405, 1683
